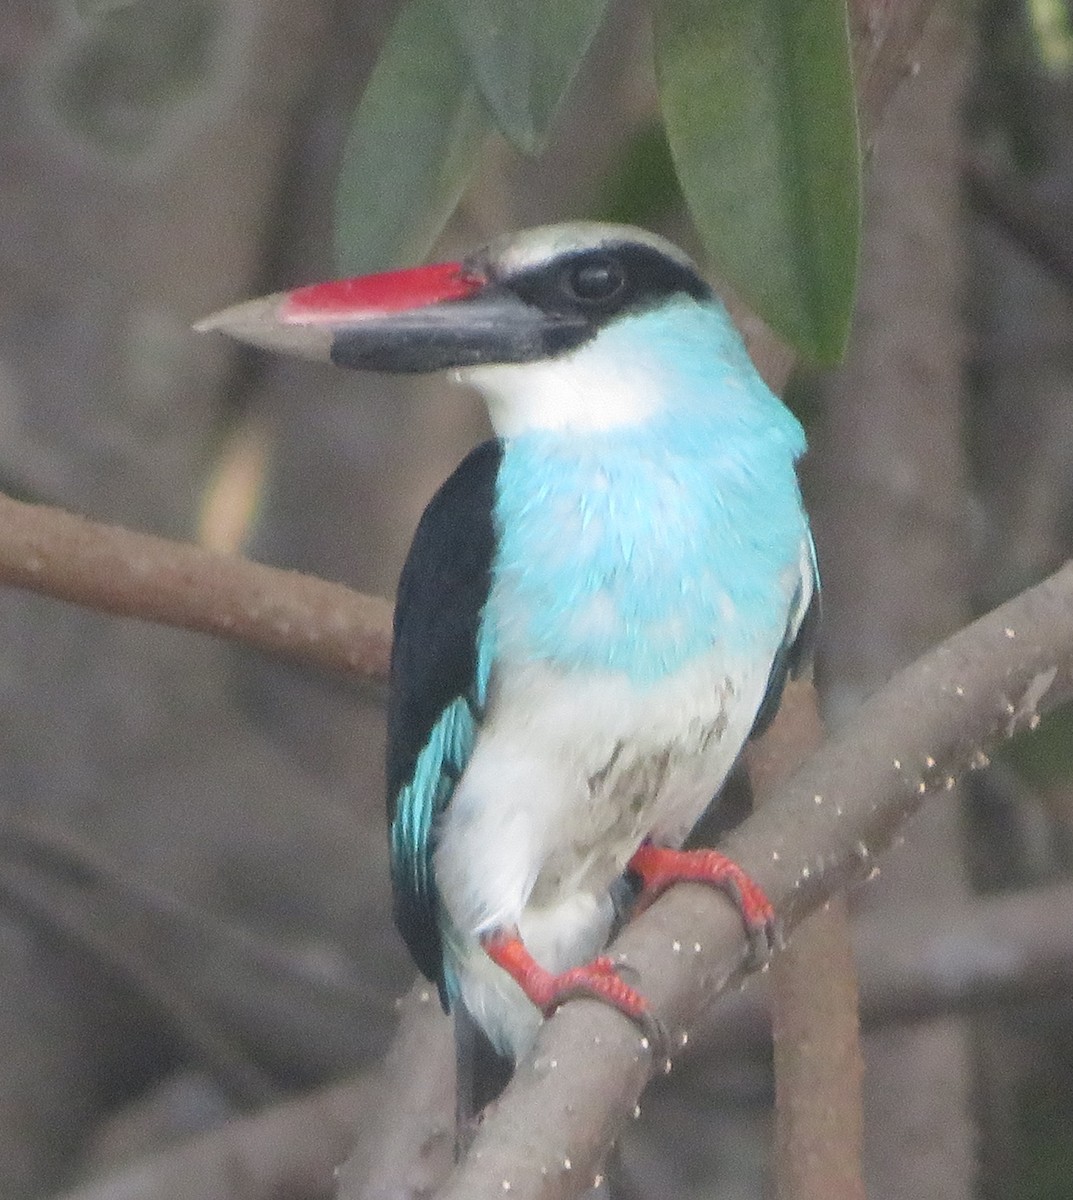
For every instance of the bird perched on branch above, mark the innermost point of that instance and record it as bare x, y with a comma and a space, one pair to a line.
600, 606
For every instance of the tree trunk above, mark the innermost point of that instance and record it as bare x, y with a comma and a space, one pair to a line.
890, 509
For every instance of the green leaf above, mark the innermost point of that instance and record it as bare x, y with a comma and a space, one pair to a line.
760, 111
525, 54
1053, 29
1045, 755
641, 188
412, 145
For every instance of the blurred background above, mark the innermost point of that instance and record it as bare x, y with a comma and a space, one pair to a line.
194, 920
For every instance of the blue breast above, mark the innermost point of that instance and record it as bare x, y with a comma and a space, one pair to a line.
635, 548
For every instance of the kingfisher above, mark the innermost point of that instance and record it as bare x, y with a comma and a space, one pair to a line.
599, 607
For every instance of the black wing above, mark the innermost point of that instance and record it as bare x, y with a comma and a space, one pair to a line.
437, 690
794, 656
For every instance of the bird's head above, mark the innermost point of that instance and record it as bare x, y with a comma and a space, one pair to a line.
563, 326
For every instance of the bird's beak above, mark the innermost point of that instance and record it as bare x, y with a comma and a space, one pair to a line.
420, 319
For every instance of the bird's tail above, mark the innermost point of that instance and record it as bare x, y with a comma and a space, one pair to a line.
482, 1073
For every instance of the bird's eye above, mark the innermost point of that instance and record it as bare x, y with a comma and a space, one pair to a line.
594, 280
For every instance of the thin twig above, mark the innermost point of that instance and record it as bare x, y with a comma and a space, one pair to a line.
34, 898
247, 990
289, 1151
114, 570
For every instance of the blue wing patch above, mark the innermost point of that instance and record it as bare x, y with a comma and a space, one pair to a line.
440, 668
794, 656
438, 767
418, 804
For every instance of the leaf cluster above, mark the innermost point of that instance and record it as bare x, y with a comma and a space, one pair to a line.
758, 110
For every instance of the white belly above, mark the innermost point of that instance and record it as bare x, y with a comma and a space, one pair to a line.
569, 775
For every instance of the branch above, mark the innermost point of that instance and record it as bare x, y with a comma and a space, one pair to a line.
292, 1150
550, 1131
114, 570
1008, 948
819, 1128
210, 1045
1029, 221
247, 991
1003, 949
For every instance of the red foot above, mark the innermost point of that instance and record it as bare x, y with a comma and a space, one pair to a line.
658, 868
598, 979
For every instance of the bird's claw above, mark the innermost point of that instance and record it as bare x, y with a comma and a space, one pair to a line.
598, 980
601, 979
658, 868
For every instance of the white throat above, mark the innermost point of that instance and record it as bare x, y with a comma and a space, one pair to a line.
588, 390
